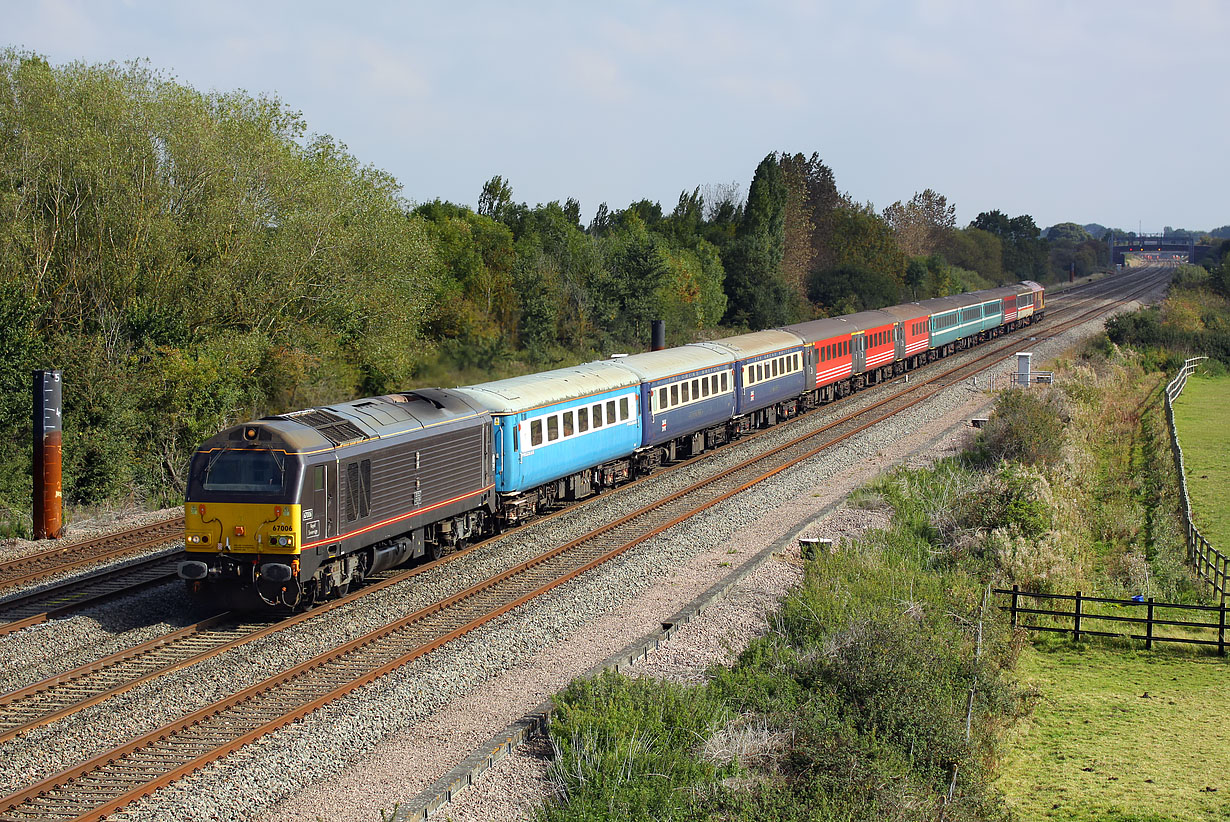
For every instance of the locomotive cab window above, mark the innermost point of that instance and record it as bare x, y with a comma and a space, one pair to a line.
318, 478
257, 472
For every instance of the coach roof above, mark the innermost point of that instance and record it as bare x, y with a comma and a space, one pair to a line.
517, 394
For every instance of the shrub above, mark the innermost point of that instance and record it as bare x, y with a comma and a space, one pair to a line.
1026, 426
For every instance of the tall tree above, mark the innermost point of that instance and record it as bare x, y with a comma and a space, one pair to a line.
758, 296
495, 197
922, 223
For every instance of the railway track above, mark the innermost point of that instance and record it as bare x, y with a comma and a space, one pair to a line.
34, 607
108, 782
68, 558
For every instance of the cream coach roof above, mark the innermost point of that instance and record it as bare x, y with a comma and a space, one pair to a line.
753, 344
657, 365
517, 394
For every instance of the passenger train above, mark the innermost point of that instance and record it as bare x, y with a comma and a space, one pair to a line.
295, 508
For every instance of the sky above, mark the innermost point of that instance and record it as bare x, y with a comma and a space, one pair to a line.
1066, 110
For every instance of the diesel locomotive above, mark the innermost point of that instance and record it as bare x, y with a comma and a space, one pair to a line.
292, 509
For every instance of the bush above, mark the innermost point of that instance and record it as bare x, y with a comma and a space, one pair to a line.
1027, 426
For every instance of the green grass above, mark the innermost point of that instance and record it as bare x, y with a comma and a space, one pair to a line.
1202, 415
1096, 748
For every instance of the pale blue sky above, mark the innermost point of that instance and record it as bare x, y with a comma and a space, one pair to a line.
1110, 112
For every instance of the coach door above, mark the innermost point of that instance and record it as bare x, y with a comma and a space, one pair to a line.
858, 352
899, 341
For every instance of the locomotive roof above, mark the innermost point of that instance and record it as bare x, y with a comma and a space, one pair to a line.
656, 365
350, 423
516, 394
754, 344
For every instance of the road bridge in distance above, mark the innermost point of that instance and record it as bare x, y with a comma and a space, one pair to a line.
1157, 247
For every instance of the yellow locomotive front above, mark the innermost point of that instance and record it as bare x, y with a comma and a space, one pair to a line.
242, 520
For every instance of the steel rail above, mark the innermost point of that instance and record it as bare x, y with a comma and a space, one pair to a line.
109, 546
39, 606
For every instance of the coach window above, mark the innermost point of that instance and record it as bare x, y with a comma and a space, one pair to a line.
610, 412
536, 433
623, 408
725, 381
662, 398
568, 427
552, 428
713, 383
674, 395
696, 389
760, 372
583, 419
686, 393
598, 415
704, 386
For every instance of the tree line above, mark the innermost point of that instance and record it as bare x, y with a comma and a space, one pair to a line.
191, 259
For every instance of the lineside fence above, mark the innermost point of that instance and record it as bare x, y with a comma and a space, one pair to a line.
1157, 620
1210, 564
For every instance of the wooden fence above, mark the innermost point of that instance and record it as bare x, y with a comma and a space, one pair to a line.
1210, 564
1077, 620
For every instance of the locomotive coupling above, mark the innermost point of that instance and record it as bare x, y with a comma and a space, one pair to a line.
192, 569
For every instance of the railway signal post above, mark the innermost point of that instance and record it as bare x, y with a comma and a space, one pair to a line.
47, 429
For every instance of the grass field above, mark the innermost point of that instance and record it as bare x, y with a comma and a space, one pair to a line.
1122, 736
1202, 415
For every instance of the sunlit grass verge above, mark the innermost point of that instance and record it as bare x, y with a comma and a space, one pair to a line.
1119, 735
1202, 415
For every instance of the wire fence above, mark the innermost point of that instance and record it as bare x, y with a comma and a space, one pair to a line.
1210, 564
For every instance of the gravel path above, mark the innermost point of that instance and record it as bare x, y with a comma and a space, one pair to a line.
391, 739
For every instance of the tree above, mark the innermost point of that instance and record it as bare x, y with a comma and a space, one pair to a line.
757, 295
922, 223
495, 197
811, 196
976, 250
1067, 233
1024, 254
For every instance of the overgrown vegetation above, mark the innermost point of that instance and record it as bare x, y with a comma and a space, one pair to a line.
854, 705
